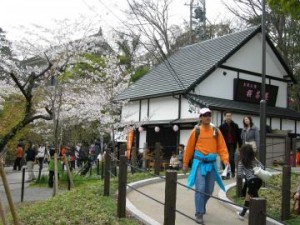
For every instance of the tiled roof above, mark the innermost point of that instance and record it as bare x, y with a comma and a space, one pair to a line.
241, 107
187, 67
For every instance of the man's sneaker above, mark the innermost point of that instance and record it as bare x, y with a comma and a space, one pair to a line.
199, 219
239, 216
233, 175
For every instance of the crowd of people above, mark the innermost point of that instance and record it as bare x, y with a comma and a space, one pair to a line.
81, 156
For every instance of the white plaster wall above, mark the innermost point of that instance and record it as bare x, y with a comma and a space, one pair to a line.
142, 140
130, 112
249, 57
281, 100
217, 85
275, 123
185, 114
165, 108
144, 110
288, 125
298, 126
184, 136
238, 119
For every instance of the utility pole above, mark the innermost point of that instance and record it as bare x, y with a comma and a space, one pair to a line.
191, 21
262, 147
204, 19
200, 16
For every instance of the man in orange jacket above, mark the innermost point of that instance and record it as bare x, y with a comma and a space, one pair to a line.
204, 151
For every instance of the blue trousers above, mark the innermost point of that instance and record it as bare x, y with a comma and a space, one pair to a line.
203, 184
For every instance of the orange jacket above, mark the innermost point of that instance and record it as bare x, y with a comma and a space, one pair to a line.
206, 144
19, 152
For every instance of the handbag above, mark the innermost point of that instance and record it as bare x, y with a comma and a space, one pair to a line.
261, 173
253, 144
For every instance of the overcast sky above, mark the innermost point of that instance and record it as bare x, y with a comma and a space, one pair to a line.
16, 13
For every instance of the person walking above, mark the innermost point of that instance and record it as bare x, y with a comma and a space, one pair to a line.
30, 159
204, 149
40, 158
232, 136
51, 168
19, 157
245, 169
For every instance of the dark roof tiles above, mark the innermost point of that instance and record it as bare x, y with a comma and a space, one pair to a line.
181, 71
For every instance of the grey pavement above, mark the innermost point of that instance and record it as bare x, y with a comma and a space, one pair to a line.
14, 179
152, 212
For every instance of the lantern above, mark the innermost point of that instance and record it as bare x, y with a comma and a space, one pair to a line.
175, 128
141, 129
156, 129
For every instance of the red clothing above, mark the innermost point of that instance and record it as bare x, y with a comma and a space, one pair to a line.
62, 151
206, 144
230, 139
19, 152
298, 158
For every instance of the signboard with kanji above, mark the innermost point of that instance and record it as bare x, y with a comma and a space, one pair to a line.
250, 91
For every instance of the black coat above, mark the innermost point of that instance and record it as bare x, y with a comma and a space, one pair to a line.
236, 133
30, 154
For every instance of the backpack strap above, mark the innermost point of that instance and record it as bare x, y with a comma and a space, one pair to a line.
197, 134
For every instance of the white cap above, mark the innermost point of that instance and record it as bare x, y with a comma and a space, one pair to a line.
204, 110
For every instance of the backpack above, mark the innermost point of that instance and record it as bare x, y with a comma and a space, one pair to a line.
197, 133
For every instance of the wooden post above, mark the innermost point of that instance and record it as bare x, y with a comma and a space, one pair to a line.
257, 211
98, 167
122, 149
2, 214
157, 162
122, 187
102, 169
23, 181
170, 198
8, 194
294, 140
286, 192
133, 159
239, 180
91, 168
107, 173
239, 186
70, 178
287, 150
55, 186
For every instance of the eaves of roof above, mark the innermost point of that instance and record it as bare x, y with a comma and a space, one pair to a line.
242, 107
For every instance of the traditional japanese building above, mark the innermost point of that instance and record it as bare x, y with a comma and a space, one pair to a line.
223, 74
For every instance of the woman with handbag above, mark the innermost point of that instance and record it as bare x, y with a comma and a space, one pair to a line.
250, 133
245, 169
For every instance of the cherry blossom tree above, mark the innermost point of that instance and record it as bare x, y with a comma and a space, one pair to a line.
38, 62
